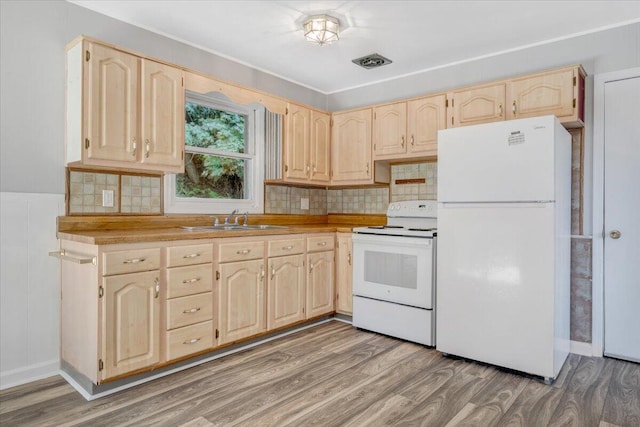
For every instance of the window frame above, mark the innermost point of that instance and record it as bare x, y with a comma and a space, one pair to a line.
253, 156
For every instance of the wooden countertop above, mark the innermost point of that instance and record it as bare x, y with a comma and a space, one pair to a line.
116, 230
110, 237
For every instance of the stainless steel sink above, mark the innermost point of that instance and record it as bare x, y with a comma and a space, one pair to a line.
233, 227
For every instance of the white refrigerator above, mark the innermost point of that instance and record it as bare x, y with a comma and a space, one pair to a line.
504, 214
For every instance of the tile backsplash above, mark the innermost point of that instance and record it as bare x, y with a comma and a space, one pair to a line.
132, 194
280, 199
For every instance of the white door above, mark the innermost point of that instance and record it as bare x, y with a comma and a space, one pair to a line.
621, 219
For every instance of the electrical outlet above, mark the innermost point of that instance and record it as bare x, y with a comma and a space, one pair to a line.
107, 198
304, 204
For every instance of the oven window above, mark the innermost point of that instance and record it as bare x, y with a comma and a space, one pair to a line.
399, 270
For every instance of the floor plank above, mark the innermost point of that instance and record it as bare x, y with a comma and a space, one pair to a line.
334, 374
583, 400
622, 406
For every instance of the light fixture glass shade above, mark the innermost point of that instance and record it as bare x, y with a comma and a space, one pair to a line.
321, 29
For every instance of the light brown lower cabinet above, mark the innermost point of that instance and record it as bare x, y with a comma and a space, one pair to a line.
344, 274
241, 300
130, 308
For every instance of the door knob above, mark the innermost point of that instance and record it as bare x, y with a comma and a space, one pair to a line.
615, 234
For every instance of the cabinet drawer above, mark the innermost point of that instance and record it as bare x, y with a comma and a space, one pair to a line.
189, 255
285, 247
130, 261
189, 310
240, 251
195, 279
188, 340
320, 243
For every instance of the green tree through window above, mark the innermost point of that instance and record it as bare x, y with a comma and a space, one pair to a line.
212, 137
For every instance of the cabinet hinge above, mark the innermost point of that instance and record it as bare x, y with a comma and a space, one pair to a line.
452, 103
575, 81
374, 116
217, 275
100, 292
100, 365
286, 111
217, 333
87, 143
182, 155
87, 56
183, 82
451, 120
446, 103
302, 309
574, 103
286, 168
331, 123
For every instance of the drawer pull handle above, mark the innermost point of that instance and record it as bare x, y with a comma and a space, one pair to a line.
322, 243
243, 251
134, 261
287, 248
192, 310
192, 341
187, 281
191, 256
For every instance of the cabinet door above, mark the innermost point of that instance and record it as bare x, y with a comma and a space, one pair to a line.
389, 130
351, 147
425, 117
344, 271
320, 146
162, 137
549, 93
296, 149
111, 106
241, 301
320, 283
131, 329
285, 291
477, 105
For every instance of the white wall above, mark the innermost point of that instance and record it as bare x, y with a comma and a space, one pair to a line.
29, 286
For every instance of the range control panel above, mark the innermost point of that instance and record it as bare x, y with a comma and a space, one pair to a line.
413, 209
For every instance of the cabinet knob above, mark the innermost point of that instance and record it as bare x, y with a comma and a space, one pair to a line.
134, 146
147, 148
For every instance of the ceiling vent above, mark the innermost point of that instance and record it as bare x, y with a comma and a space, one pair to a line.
374, 60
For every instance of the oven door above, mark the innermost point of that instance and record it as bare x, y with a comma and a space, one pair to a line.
394, 268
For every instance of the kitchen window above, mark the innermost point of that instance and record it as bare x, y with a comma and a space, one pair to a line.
223, 158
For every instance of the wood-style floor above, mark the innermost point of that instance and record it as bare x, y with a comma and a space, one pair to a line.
336, 375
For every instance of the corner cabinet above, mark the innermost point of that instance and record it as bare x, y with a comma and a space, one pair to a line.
123, 111
344, 274
351, 160
307, 146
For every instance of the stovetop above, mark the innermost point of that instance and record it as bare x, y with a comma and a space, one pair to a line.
415, 218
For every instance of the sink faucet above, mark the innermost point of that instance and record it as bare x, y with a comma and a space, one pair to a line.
246, 219
227, 219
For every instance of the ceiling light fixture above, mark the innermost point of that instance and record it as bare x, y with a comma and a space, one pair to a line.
321, 29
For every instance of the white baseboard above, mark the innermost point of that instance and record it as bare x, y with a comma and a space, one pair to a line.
581, 348
28, 374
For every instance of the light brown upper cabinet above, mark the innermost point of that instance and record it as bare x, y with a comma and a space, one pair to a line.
389, 130
307, 145
558, 92
123, 111
475, 105
351, 161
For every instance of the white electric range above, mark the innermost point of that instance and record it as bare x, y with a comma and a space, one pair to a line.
394, 273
